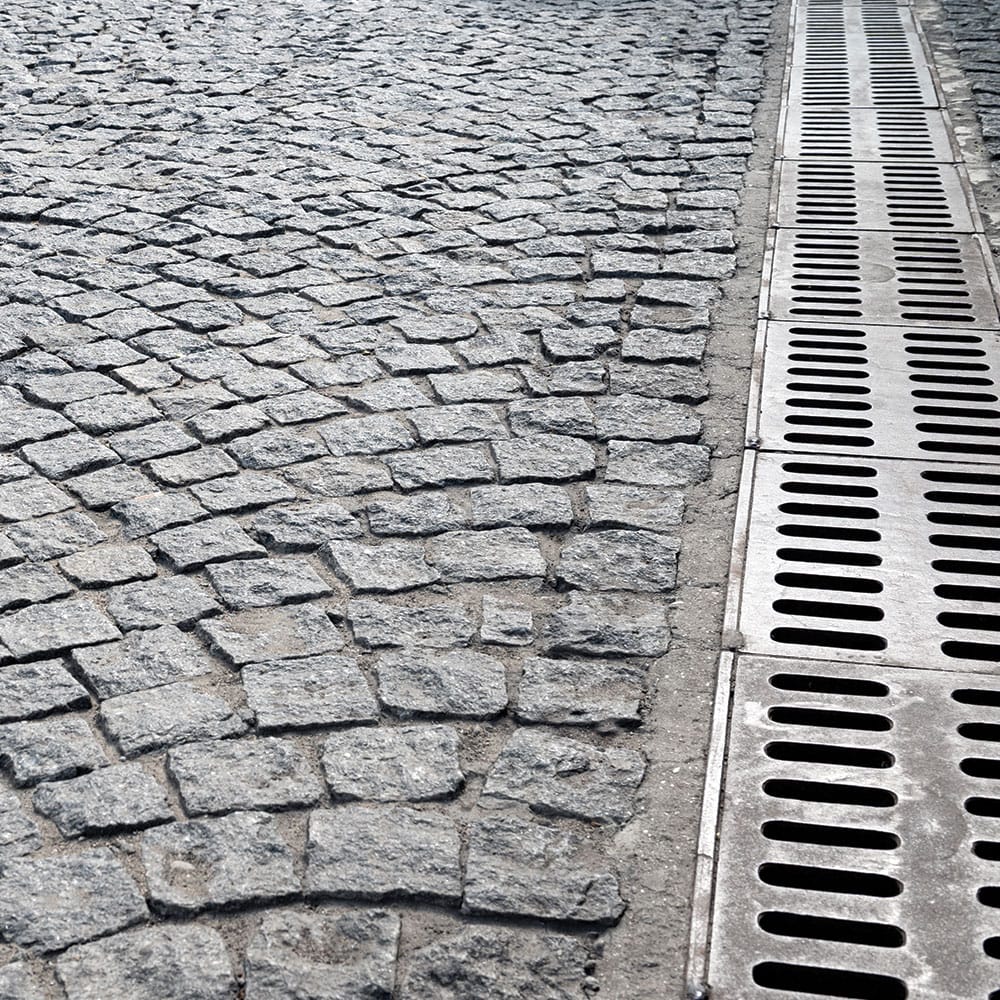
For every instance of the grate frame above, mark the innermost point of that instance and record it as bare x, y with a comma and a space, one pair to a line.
889, 197
880, 392
866, 134
894, 279
872, 561
944, 924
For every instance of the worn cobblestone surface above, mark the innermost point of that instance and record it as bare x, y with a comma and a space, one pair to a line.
350, 361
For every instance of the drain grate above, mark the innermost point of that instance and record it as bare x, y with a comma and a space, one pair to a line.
881, 392
862, 56
911, 134
859, 856
889, 196
882, 278
875, 560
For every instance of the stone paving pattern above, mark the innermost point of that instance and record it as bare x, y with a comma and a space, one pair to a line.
350, 368
975, 31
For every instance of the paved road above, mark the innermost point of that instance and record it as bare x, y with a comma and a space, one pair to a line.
351, 360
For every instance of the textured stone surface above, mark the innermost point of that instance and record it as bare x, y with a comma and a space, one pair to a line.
19, 833
164, 716
578, 692
460, 683
263, 583
49, 749
222, 775
323, 956
561, 777
216, 862
125, 797
32, 689
272, 633
530, 870
615, 624
50, 903
404, 763
162, 963
498, 963
312, 691
377, 852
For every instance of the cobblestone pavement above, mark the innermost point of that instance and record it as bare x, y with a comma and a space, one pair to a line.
975, 31
350, 363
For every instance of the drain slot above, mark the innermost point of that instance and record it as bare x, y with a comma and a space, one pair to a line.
861, 135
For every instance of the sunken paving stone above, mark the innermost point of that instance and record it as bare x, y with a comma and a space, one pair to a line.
143, 659
49, 749
525, 869
459, 683
271, 634
263, 583
40, 688
53, 627
380, 852
499, 963
222, 775
217, 862
561, 777
398, 764
312, 691
166, 601
124, 797
47, 904
173, 962
165, 716
323, 956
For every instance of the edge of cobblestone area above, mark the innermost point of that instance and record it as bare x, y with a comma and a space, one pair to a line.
656, 851
984, 172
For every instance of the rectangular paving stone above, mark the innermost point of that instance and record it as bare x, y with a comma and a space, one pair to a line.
323, 956
54, 627
143, 659
156, 963
28, 690
58, 390
218, 539
380, 852
49, 749
164, 716
47, 904
152, 512
191, 467
619, 560
240, 859
424, 513
222, 775
313, 691
57, 535
634, 507
303, 528
378, 623
31, 583
245, 491
31, 498
105, 487
459, 683
123, 797
106, 565
522, 869
263, 583
578, 692
441, 466
69, 455
338, 477
503, 553
272, 634
525, 505
380, 569
174, 600
544, 457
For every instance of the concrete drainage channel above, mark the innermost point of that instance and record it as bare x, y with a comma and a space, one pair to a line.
850, 842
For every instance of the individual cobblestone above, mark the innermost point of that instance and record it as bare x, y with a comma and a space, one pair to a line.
158, 963
321, 956
49, 749
462, 683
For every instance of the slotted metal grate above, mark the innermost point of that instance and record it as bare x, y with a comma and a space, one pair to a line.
882, 278
881, 392
882, 561
860, 857
865, 57
876, 196
911, 134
